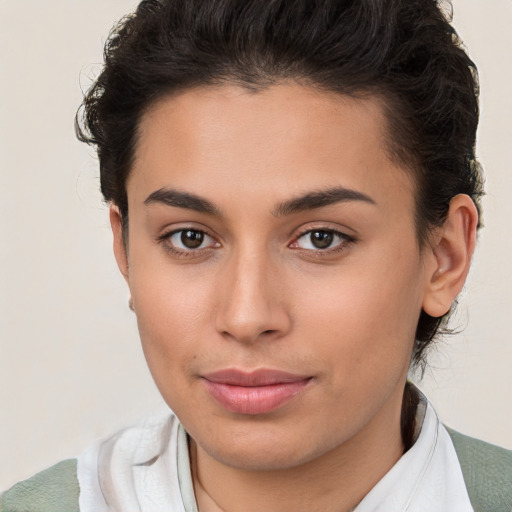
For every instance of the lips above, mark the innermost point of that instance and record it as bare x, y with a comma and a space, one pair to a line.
257, 392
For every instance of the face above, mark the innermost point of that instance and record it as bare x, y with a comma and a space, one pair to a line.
274, 268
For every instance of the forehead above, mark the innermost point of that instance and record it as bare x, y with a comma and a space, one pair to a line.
272, 143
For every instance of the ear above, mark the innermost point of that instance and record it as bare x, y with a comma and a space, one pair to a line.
119, 242
451, 252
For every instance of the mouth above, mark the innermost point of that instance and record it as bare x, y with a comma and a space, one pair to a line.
256, 392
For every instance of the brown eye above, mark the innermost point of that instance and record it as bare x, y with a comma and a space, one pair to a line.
192, 239
189, 240
321, 239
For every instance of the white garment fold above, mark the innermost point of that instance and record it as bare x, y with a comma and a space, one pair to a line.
136, 470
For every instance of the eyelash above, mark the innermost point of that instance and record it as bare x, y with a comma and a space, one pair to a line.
345, 240
165, 240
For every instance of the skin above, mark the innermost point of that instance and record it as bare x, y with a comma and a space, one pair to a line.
257, 293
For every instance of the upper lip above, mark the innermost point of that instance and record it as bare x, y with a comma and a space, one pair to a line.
253, 378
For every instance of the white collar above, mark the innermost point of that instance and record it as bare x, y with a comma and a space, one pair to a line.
427, 477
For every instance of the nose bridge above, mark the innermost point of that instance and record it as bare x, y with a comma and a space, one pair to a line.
251, 303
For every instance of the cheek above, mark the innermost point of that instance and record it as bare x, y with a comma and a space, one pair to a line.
173, 311
365, 319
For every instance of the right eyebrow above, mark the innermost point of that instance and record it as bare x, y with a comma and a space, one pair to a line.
320, 199
172, 197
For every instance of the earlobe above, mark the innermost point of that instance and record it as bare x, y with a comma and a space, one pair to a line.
451, 254
119, 242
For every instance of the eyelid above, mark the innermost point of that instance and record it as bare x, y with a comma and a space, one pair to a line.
346, 239
178, 227
165, 237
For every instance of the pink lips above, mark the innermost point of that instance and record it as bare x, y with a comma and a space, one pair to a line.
256, 392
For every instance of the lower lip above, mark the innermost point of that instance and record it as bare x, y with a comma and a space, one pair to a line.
256, 399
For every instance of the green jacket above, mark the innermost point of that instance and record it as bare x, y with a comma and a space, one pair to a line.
487, 471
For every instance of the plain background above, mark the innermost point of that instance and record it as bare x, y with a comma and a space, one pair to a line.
71, 368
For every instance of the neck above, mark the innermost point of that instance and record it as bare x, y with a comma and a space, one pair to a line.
336, 481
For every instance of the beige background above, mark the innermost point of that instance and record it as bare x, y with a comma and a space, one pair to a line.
71, 369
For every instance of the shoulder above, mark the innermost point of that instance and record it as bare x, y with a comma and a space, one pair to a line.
52, 490
487, 471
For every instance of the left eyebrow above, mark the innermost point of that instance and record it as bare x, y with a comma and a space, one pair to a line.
179, 199
320, 199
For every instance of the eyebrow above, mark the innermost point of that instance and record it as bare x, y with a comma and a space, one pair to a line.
320, 199
310, 201
172, 197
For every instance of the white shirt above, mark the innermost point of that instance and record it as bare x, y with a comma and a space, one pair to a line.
146, 468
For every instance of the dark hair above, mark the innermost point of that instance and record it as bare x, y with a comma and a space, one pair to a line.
403, 51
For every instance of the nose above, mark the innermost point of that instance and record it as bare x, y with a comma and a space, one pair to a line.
251, 303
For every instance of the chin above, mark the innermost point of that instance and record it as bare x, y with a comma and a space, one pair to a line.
259, 459
265, 448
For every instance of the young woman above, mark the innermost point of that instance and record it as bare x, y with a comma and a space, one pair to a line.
294, 199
